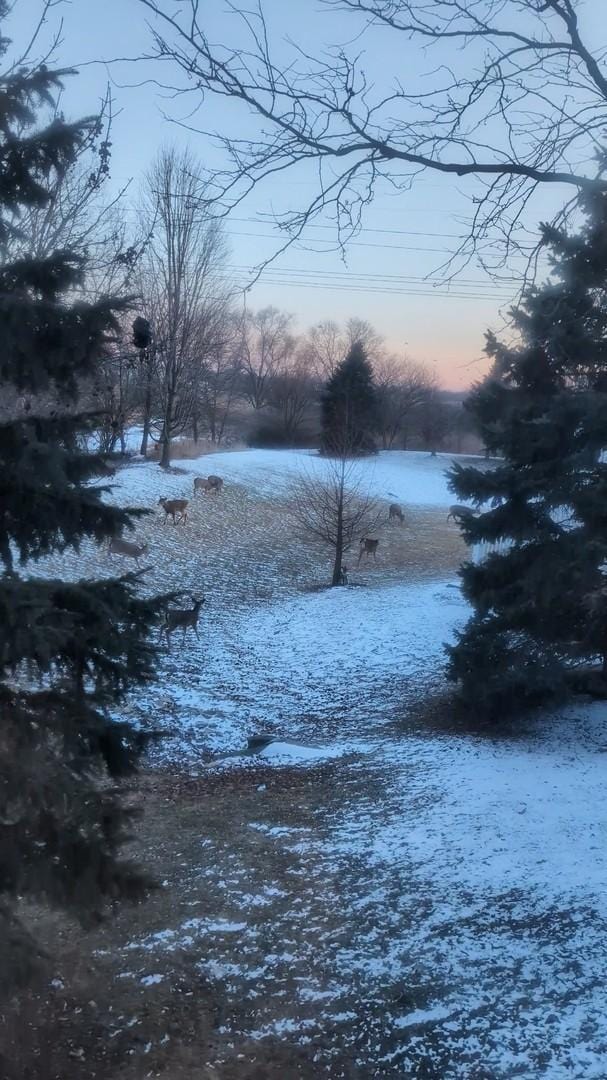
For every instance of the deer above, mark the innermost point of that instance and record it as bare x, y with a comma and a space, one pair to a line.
181, 617
395, 513
118, 546
459, 513
216, 483
172, 507
202, 484
367, 547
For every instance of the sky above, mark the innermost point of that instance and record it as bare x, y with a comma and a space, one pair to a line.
384, 275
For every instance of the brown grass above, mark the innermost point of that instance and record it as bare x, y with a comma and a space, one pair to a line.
99, 1024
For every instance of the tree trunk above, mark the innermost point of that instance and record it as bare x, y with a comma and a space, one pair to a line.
339, 544
165, 451
195, 427
165, 439
147, 416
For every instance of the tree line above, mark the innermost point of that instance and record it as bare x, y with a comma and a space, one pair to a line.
194, 362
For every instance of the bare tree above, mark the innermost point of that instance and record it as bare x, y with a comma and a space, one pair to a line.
327, 343
218, 379
116, 396
402, 387
80, 215
513, 95
212, 365
361, 332
335, 509
266, 345
324, 348
435, 420
181, 282
292, 392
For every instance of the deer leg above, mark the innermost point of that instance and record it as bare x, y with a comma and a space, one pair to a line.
195, 628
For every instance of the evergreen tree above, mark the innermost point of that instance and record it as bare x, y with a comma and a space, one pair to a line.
540, 608
69, 651
349, 412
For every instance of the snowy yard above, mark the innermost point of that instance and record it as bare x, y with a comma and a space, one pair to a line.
369, 896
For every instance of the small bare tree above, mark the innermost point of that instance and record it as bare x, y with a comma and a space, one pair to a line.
336, 509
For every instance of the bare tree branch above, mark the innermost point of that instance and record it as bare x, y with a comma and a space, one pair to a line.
524, 105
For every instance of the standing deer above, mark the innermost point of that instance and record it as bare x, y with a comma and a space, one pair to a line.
367, 547
202, 484
118, 546
459, 513
184, 617
395, 513
172, 507
216, 483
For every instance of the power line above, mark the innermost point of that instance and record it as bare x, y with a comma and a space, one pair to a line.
353, 243
352, 276
489, 252
358, 288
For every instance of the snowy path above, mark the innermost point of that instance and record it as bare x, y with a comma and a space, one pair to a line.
402, 903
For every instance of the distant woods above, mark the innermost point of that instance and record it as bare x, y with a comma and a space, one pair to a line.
212, 370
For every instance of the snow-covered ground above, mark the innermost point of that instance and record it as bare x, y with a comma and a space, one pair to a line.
415, 479
443, 908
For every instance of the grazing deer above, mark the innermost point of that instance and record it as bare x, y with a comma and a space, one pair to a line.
202, 484
395, 513
367, 547
118, 546
459, 513
216, 483
172, 507
176, 617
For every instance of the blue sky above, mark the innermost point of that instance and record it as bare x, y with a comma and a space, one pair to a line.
405, 236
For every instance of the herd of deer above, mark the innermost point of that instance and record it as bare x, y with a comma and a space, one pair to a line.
369, 545
177, 510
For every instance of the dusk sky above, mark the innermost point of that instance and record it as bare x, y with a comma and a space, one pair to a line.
405, 236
